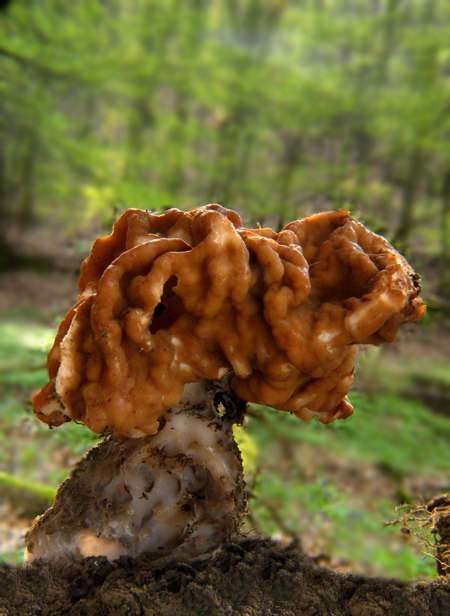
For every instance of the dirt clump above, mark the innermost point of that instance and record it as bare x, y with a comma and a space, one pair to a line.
254, 577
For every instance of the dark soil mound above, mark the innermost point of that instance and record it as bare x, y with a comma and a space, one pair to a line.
251, 578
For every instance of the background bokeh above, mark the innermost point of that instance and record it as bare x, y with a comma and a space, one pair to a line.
275, 108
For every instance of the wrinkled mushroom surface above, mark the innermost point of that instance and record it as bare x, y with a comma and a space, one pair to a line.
171, 299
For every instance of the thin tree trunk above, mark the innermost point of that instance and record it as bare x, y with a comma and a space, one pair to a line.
4, 218
410, 189
141, 117
389, 36
3, 195
26, 201
289, 165
444, 283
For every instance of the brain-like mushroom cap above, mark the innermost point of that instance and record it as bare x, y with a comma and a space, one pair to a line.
179, 297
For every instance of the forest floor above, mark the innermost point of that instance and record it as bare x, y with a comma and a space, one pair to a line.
253, 577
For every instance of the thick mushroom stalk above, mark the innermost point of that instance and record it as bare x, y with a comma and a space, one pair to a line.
174, 300
181, 489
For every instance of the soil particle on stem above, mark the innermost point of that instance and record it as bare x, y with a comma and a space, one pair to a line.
255, 577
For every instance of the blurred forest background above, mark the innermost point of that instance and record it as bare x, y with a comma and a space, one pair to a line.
275, 108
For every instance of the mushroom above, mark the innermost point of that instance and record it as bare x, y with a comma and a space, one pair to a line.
182, 318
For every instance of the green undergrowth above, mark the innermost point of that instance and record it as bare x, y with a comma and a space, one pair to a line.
426, 378
346, 530
384, 429
23, 352
400, 437
29, 450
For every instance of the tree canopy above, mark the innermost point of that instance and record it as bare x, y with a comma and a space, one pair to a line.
276, 108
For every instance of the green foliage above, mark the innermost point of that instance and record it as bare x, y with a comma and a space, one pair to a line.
249, 452
23, 347
346, 529
274, 108
398, 436
23, 352
384, 429
10, 482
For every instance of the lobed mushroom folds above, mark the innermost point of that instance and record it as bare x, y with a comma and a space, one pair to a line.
171, 299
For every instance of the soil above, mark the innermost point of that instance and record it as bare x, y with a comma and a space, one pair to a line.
249, 578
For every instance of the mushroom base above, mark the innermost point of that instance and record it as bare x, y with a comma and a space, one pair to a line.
180, 490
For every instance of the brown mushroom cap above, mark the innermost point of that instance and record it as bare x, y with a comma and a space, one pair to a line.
179, 297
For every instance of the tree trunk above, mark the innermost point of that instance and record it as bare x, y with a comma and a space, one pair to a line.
4, 218
26, 191
410, 190
444, 283
141, 118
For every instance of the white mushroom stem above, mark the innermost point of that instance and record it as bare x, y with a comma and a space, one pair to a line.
181, 489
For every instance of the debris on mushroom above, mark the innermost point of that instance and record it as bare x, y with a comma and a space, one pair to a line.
181, 299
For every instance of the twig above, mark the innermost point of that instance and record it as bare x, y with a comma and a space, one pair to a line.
416, 520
